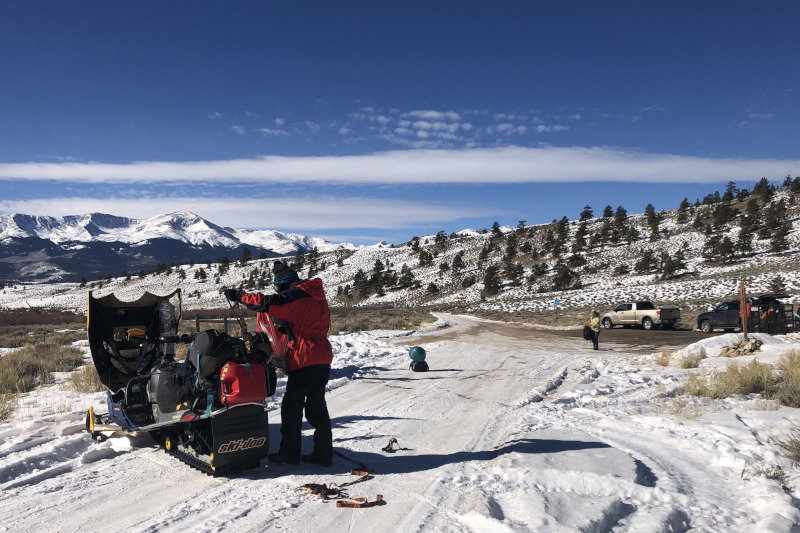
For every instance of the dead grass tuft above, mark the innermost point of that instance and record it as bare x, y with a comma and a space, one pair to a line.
22, 370
87, 380
791, 445
663, 358
693, 359
8, 404
355, 319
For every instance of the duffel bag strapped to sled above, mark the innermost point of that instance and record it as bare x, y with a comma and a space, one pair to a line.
210, 351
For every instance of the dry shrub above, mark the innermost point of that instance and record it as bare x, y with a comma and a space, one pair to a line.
22, 370
775, 473
65, 337
355, 319
8, 403
680, 407
767, 405
755, 378
791, 445
22, 317
693, 359
87, 380
788, 389
663, 358
17, 336
780, 383
701, 385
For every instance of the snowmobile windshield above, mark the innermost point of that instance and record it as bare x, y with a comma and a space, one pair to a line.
128, 339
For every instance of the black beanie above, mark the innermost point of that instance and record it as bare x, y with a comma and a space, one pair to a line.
283, 274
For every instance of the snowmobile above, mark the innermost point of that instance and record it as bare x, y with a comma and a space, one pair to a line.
209, 410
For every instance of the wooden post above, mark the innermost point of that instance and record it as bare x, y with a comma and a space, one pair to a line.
743, 308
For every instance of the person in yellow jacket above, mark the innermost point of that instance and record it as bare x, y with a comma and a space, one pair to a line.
594, 324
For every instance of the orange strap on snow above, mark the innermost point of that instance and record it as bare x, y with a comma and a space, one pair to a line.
336, 492
360, 503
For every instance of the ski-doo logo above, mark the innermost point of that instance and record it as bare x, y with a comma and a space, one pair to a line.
242, 444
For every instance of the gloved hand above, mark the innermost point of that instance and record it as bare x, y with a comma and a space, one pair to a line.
232, 295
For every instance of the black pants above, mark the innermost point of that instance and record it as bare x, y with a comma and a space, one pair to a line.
595, 337
305, 389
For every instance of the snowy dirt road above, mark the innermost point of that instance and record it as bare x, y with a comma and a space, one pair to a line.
513, 429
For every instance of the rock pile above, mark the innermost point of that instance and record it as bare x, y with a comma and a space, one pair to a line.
741, 347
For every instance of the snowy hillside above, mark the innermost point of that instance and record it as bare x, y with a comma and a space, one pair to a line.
528, 287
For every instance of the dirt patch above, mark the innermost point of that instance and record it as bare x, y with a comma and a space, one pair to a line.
634, 340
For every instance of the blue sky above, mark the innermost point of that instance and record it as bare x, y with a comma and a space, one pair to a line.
364, 121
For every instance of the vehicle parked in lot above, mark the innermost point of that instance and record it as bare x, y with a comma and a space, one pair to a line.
643, 314
725, 316
765, 314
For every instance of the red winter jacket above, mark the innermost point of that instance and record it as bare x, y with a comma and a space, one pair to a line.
305, 308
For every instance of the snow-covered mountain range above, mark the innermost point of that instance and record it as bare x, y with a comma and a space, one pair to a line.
44, 248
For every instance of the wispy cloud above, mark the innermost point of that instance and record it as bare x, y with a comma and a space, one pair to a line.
511, 164
313, 213
433, 115
238, 129
272, 131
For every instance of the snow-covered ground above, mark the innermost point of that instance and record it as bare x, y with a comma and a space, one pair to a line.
513, 429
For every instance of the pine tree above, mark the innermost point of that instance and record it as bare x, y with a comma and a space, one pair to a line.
425, 258
246, 257
763, 191
579, 242
777, 284
458, 262
777, 227
511, 247
724, 250
564, 277
653, 221
496, 231
586, 214
647, 262
744, 244
361, 284
731, 191
491, 281
683, 211
670, 266
721, 215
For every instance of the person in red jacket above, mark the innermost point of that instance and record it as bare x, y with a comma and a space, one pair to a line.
303, 306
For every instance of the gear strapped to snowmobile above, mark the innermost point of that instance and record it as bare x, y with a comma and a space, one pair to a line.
208, 410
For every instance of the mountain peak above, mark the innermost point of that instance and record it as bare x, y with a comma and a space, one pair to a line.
119, 242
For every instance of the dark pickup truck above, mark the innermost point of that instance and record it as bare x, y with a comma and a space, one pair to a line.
725, 316
766, 314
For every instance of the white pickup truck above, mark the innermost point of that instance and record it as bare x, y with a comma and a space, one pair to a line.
643, 314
